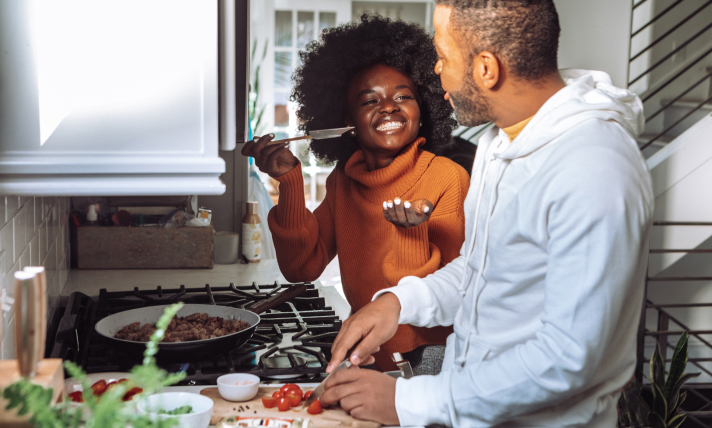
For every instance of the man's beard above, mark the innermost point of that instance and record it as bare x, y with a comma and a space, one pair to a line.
471, 107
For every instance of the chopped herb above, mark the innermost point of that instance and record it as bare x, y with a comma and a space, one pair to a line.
182, 410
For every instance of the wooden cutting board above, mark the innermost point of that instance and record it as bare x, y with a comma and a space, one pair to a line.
328, 418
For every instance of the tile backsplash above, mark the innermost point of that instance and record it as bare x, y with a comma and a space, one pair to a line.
34, 231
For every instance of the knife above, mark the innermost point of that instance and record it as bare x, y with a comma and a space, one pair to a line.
320, 389
316, 135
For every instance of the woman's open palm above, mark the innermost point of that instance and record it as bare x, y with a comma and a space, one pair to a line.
407, 214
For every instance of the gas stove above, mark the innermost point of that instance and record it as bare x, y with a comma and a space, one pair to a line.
292, 341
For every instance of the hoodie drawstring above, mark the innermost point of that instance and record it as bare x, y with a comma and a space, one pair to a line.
490, 207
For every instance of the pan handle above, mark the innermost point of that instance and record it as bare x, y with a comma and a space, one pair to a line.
278, 298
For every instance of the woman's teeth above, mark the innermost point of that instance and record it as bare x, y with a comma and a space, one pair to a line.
390, 126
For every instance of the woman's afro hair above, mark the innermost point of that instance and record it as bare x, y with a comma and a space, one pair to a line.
321, 82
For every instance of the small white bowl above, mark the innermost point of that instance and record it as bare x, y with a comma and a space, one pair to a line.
238, 386
199, 418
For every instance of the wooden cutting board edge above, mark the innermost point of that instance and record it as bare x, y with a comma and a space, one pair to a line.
328, 418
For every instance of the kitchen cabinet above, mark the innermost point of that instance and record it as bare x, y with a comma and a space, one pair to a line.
118, 97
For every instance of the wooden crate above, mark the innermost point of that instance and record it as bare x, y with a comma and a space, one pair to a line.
145, 247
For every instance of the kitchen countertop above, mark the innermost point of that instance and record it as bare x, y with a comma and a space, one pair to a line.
90, 281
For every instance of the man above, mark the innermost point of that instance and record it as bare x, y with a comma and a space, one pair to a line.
546, 294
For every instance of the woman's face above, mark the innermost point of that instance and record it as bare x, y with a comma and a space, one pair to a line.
383, 108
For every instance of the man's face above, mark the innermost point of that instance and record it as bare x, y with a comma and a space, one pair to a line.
457, 74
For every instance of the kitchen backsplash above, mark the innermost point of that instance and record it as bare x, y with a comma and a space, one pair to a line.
33, 231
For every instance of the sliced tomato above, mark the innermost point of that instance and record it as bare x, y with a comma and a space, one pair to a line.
99, 387
307, 394
314, 408
269, 402
131, 392
277, 394
76, 397
122, 380
294, 399
283, 404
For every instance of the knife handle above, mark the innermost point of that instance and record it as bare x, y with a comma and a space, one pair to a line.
278, 298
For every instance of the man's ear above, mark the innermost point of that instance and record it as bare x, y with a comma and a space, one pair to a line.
486, 71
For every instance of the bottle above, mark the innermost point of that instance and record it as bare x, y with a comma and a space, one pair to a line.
251, 234
91, 215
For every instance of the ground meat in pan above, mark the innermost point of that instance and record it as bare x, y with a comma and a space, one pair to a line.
184, 329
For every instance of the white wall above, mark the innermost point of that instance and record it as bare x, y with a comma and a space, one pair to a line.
34, 231
595, 35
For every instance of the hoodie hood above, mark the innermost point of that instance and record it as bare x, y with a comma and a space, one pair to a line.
587, 95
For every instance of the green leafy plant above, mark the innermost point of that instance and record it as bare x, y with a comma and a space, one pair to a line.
255, 110
663, 411
107, 411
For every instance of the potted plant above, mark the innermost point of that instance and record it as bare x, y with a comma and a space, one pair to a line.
663, 410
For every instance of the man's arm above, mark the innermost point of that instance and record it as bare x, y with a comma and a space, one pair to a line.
412, 301
598, 222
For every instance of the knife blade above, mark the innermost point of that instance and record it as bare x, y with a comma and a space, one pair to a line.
321, 134
320, 389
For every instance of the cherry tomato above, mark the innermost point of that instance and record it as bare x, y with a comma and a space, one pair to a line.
131, 392
269, 402
277, 394
314, 408
288, 387
99, 387
76, 397
283, 404
294, 399
307, 394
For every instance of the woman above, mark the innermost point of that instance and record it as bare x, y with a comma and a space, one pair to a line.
392, 208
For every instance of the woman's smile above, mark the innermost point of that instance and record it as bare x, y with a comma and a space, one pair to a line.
390, 126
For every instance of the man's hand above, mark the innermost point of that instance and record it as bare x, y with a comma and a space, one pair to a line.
374, 324
275, 160
364, 394
407, 214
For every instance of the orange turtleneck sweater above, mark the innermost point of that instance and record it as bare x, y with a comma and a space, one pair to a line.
373, 253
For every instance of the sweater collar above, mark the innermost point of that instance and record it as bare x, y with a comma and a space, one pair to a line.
397, 177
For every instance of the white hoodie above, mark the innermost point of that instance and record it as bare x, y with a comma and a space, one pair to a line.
546, 295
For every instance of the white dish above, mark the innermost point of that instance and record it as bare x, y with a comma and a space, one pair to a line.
238, 386
198, 418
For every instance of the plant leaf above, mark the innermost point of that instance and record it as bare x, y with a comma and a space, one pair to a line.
676, 421
676, 392
657, 369
660, 404
677, 366
656, 421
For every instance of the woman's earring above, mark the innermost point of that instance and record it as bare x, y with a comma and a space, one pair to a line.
353, 133
421, 124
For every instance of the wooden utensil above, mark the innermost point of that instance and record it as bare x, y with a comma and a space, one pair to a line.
316, 135
328, 418
29, 331
41, 276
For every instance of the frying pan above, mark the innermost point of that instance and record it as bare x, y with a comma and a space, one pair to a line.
109, 326
183, 351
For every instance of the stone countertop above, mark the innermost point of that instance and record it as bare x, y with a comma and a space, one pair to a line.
265, 272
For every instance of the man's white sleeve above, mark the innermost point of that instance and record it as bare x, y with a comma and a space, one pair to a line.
431, 301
